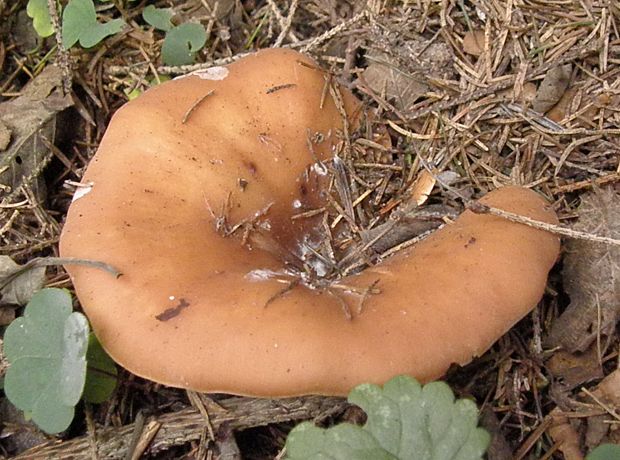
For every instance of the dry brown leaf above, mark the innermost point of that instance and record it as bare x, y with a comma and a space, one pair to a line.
607, 392
529, 92
499, 449
20, 289
560, 110
473, 42
575, 369
591, 275
383, 74
30, 120
598, 101
19, 434
564, 434
598, 428
224, 7
7, 315
526, 95
552, 88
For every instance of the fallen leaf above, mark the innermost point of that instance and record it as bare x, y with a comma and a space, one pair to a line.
591, 275
18, 434
526, 95
473, 42
575, 369
559, 111
529, 92
7, 315
30, 118
598, 427
565, 435
226, 444
20, 290
608, 392
602, 100
224, 7
23, 33
407, 65
384, 75
565, 430
499, 449
552, 88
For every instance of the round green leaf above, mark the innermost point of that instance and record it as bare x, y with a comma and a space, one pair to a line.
95, 34
46, 349
182, 43
77, 16
41, 21
160, 18
101, 373
79, 23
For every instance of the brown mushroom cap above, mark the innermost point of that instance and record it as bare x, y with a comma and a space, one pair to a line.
188, 311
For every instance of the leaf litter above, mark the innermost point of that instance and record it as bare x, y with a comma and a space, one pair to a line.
591, 276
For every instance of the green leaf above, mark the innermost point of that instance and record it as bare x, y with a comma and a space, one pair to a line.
160, 18
98, 32
46, 349
101, 373
405, 421
182, 43
605, 452
41, 21
342, 442
79, 23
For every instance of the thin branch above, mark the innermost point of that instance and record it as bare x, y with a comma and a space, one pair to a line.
62, 58
480, 208
52, 261
186, 425
286, 27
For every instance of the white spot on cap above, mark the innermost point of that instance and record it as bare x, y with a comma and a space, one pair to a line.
261, 275
171, 297
212, 73
296, 204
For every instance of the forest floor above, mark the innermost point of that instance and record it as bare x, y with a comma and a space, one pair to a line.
485, 92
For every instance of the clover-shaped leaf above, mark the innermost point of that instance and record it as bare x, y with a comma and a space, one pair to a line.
41, 21
182, 43
160, 18
79, 23
405, 422
46, 349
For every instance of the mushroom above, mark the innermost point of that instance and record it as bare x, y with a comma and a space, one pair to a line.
182, 164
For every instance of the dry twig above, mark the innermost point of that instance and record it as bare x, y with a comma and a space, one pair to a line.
187, 425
